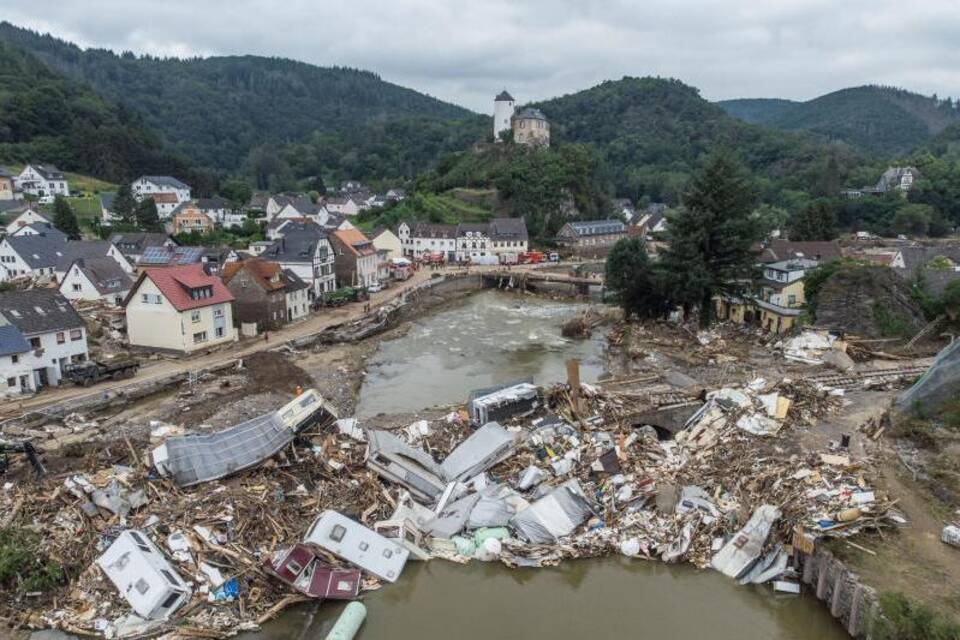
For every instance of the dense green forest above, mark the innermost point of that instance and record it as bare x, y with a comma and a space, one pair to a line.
653, 132
217, 110
881, 119
46, 117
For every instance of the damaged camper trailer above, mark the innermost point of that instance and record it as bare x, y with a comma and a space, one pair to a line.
503, 402
299, 566
142, 575
192, 459
413, 468
358, 545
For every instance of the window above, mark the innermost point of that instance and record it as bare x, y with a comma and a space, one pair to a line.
15, 358
219, 332
34, 343
145, 298
218, 313
76, 334
77, 286
293, 566
142, 586
171, 600
195, 315
387, 553
61, 337
364, 546
199, 337
337, 533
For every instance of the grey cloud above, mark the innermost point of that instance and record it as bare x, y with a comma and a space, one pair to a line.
465, 52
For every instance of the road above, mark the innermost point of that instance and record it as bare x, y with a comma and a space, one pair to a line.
154, 369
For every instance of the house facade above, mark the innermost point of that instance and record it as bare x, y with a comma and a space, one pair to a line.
473, 241
188, 218
180, 310
508, 235
305, 249
778, 301
386, 240
40, 333
420, 238
42, 180
99, 278
33, 255
152, 185
355, 258
259, 291
591, 234
531, 127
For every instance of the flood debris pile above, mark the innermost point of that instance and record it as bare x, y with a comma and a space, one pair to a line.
212, 534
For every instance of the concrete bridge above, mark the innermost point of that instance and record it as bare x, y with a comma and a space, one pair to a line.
534, 279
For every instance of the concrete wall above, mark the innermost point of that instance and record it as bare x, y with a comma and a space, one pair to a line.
852, 603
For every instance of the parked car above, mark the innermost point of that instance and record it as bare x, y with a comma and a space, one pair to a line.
554, 257
45, 200
376, 287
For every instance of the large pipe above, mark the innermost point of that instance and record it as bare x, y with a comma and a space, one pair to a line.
348, 624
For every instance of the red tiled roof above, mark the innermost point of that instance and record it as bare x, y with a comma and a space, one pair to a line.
163, 198
266, 273
355, 241
175, 284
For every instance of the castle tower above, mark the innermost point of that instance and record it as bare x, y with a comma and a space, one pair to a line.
502, 114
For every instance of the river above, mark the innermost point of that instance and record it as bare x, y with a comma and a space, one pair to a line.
492, 337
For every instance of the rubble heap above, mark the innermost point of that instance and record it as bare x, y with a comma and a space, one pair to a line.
572, 477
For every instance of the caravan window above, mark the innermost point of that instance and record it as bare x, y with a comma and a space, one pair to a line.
387, 553
140, 541
364, 546
171, 600
293, 566
169, 577
309, 400
338, 532
141, 586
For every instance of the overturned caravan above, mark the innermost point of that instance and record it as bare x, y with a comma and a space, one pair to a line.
193, 459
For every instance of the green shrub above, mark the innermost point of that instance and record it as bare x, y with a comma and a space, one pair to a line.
906, 619
23, 566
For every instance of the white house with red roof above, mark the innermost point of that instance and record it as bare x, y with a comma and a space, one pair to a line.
179, 309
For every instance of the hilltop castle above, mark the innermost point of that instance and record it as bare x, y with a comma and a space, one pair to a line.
529, 125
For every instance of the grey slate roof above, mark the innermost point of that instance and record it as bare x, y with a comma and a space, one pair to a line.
915, 258
46, 229
292, 282
48, 171
936, 280
209, 204
432, 230
13, 207
508, 229
529, 113
5, 173
84, 249
475, 227
165, 181
11, 340
298, 243
39, 311
104, 273
39, 252
503, 97
597, 227
135, 242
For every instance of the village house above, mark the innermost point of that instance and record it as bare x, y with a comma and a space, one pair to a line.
591, 234
166, 204
349, 205
79, 249
39, 229
780, 250
188, 218
625, 208
508, 235
42, 181
27, 217
7, 190
386, 240
779, 299
265, 294
98, 278
307, 252
133, 244
221, 212
420, 238
531, 127
652, 220
355, 260
39, 334
145, 186
472, 241
179, 309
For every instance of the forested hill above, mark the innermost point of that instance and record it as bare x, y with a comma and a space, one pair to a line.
652, 132
882, 119
47, 117
216, 110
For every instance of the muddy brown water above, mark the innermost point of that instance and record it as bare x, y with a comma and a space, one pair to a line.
495, 337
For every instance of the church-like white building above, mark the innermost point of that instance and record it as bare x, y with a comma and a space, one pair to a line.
502, 114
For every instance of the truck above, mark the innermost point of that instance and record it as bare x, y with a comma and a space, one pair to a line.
93, 371
532, 257
344, 295
509, 258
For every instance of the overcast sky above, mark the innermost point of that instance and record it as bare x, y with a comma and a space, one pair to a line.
466, 51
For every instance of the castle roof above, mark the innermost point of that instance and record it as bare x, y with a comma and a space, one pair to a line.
504, 97
529, 113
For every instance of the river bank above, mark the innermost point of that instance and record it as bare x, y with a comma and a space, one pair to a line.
341, 371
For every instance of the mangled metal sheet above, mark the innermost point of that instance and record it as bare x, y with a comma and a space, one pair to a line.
453, 518
193, 459
487, 446
345, 538
300, 567
555, 515
413, 468
497, 505
740, 552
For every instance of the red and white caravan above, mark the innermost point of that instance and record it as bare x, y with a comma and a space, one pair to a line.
302, 569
